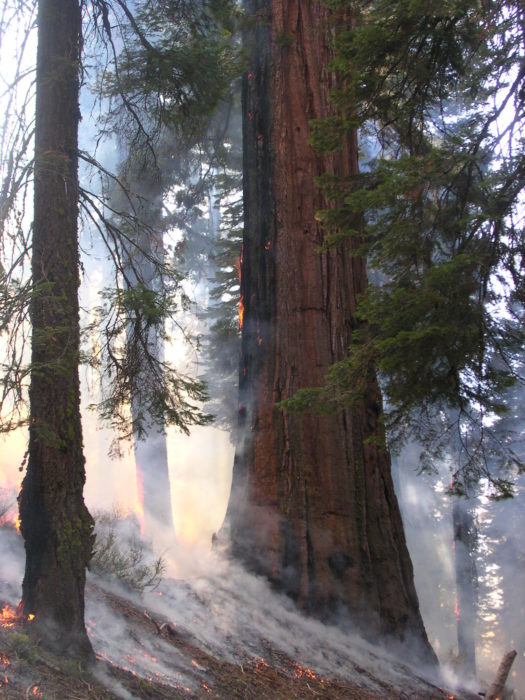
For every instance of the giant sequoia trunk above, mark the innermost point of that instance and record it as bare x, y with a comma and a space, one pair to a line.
56, 525
312, 504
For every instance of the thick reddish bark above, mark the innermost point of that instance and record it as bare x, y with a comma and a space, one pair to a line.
56, 525
312, 503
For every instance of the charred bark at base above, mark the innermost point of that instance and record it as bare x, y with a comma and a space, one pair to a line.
312, 504
55, 523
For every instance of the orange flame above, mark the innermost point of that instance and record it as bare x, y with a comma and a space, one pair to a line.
238, 267
7, 616
241, 312
11, 519
299, 672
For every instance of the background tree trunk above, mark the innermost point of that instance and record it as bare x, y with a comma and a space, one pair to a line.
312, 504
466, 583
143, 261
56, 525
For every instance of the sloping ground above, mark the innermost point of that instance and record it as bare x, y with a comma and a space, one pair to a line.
27, 671
224, 636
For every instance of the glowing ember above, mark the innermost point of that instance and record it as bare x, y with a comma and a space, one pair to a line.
301, 672
37, 693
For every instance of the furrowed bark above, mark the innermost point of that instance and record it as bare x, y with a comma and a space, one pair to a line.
55, 523
312, 504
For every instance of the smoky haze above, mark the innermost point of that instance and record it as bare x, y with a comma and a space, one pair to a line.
215, 599
227, 613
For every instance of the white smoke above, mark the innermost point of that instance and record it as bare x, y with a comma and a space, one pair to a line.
228, 614
427, 517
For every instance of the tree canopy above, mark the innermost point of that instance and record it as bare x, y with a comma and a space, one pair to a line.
162, 69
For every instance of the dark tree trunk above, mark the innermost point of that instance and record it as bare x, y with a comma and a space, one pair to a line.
466, 584
56, 525
312, 504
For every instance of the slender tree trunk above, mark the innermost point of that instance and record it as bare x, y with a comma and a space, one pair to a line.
312, 505
466, 584
144, 259
56, 525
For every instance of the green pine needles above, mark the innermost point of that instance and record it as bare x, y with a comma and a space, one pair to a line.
437, 93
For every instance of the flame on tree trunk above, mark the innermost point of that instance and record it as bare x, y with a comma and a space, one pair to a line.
312, 503
55, 523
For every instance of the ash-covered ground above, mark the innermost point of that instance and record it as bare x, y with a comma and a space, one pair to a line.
223, 635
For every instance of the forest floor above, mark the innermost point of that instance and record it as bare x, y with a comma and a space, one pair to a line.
27, 671
200, 639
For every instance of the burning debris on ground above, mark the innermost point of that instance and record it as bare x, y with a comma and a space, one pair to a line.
223, 636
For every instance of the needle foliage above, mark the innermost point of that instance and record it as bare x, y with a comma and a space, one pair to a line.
436, 91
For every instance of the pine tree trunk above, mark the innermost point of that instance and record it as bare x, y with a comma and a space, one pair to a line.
56, 525
312, 504
143, 261
466, 584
